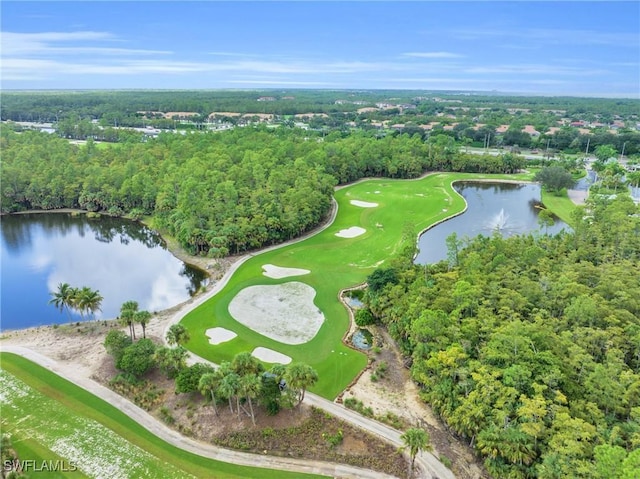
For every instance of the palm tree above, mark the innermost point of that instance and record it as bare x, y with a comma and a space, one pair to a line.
89, 300
207, 385
244, 363
229, 388
178, 335
171, 360
127, 313
416, 440
300, 376
142, 318
250, 386
63, 298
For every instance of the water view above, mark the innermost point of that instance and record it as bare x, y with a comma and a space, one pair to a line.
503, 208
121, 259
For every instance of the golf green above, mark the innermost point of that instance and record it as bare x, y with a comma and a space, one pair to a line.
334, 263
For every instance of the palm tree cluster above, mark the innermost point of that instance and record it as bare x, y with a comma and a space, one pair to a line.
83, 300
244, 379
130, 315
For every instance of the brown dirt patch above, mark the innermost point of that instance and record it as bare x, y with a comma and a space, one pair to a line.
303, 431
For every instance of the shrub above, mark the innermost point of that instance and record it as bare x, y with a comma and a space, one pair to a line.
166, 416
364, 317
137, 358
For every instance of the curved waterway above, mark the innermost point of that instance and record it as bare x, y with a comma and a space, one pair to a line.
122, 259
492, 208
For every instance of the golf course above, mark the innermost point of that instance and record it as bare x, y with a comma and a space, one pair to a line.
49, 418
368, 230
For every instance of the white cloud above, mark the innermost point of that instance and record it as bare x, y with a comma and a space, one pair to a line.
47, 43
282, 82
534, 69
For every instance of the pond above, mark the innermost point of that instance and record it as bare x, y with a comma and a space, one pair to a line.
502, 208
362, 339
121, 259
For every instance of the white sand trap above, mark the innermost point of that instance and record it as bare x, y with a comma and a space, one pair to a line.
351, 232
270, 356
278, 272
363, 204
219, 335
282, 312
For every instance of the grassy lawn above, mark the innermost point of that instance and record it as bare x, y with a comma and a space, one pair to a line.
335, 263
28, 449
51, 418
561, 206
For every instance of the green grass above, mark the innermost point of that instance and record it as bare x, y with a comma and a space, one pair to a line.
561, 206
28, 449
335, 263
54, 405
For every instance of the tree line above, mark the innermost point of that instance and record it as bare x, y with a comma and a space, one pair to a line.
218, 193
529, 347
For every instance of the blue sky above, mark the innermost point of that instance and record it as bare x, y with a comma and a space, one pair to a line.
575, 48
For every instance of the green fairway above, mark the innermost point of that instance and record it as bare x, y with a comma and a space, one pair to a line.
335, 263
51, 418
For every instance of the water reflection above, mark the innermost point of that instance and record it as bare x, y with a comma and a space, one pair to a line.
502, 208
121, 259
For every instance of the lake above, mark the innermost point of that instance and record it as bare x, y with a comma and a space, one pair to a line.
123, 260
503, 208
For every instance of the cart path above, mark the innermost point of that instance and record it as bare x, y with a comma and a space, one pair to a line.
176, 439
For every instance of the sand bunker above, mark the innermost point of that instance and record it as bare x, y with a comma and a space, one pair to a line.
219, 335
270, 356
363, 204
277, 272
282, 312
351, 232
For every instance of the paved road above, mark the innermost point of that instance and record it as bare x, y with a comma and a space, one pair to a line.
197, 447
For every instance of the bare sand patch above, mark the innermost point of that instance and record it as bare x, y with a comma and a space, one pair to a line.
351, 232
270, 356
277, 272
363, 204
282, 312
219, 335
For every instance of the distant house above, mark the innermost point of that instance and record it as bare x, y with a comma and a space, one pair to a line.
529, 129
502, 129
552, 130
180, 115
257, 117
266, 98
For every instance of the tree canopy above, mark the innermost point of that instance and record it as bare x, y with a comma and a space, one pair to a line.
218, 193
530, 346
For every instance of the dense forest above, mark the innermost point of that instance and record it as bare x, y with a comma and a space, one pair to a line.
529, 347
53, 105
218, 193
